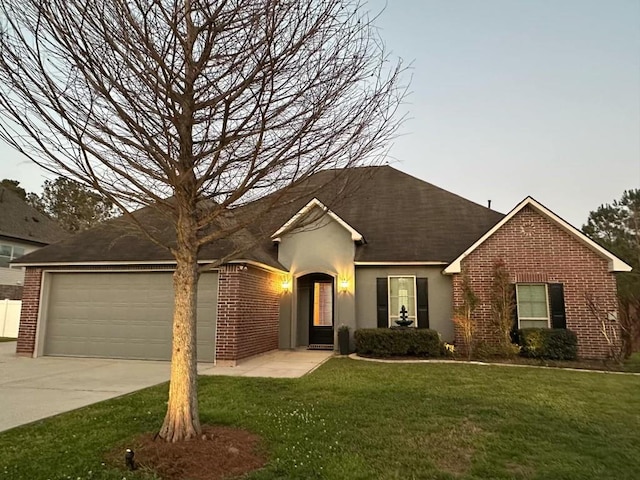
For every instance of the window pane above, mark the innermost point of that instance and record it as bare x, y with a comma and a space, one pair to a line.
532, 304
533, 323
322, 304
4, 261
18, 252
402, 292
5, 251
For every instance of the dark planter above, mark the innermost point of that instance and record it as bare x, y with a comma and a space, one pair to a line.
343, 342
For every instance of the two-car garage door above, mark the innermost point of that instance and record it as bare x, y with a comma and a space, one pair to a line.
122, 315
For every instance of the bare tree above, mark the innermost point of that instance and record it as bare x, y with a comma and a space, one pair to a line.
502, 304
167, 103
610, 328
463, 313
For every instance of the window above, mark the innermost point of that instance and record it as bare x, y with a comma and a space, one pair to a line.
9, 253
533, 305
402, 292
322, 304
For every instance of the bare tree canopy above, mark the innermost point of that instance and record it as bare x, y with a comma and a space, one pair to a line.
165, 103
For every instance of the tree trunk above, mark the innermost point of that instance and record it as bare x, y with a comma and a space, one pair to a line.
182, 420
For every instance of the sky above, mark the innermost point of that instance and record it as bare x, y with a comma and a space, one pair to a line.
508, 98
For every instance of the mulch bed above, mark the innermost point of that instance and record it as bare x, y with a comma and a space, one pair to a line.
221, 453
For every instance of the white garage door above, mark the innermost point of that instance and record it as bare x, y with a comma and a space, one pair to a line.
122, 315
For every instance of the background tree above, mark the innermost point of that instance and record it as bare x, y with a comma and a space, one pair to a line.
616, 227
194, 108
72, 205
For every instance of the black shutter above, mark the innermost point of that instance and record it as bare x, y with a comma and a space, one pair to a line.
422, 288
556, 304
383, 302
514, 315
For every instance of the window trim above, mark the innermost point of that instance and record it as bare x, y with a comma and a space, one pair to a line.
415, 300
546, 294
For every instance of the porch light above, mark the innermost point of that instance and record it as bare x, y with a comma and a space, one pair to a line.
344, 285
286, 285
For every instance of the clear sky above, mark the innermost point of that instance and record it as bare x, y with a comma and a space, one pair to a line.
513, 98
509, 98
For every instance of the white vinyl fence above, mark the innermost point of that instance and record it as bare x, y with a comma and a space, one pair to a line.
9, 318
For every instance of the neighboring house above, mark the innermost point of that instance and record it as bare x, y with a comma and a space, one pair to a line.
393, 240
22, 230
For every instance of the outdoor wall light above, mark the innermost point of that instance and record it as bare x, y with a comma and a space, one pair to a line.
286, 285
344, 285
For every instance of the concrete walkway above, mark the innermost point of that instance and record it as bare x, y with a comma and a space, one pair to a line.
36, 388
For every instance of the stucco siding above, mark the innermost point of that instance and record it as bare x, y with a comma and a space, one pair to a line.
324, 246
440, 295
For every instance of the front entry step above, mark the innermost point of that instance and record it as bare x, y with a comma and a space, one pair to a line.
318, 346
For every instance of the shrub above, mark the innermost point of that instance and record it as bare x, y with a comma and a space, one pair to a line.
548, 343
488, 351
390, 342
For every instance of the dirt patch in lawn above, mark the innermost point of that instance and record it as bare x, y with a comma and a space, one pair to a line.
221, 453
457, 446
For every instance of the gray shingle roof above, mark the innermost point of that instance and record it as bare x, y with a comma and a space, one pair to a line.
18, 220
402, 218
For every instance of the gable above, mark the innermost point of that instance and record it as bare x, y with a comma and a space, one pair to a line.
531, 228
313, 211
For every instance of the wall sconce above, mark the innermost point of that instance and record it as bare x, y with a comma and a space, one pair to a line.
344, 285
286, 285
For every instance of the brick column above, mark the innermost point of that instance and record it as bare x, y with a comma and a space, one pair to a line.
248, 313
29, 312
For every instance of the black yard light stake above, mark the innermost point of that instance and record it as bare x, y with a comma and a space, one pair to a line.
128, 459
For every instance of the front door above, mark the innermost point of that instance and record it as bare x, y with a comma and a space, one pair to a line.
321, 310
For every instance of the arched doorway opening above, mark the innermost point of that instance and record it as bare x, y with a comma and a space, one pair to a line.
316, 301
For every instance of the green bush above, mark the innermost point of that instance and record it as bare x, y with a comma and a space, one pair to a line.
490, 351
393, 342
548, 343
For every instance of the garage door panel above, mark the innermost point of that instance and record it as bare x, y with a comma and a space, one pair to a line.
122, 315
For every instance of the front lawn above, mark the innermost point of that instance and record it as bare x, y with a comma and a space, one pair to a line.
361, 420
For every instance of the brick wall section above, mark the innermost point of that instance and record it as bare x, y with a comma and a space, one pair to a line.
29, 312
248, 310
536, 250
11, 292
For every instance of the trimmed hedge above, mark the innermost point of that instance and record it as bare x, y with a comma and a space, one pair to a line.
393, 342
548, 343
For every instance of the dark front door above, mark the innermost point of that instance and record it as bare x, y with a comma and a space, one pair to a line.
321, 310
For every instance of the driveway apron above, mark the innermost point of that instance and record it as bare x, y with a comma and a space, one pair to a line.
35, 388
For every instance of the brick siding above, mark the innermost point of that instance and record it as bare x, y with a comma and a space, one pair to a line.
248, 310
10, 292
535, 249
29, 312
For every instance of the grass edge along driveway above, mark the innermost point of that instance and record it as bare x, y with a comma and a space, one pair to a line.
361, 420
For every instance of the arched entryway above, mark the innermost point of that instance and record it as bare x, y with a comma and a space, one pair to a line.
316, 305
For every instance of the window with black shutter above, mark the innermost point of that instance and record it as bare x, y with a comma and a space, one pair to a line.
539, 305
394, 292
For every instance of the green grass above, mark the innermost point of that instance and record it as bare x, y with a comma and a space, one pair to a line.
7, 339
363, 420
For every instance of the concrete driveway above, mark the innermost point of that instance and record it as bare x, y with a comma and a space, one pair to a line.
36, 388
